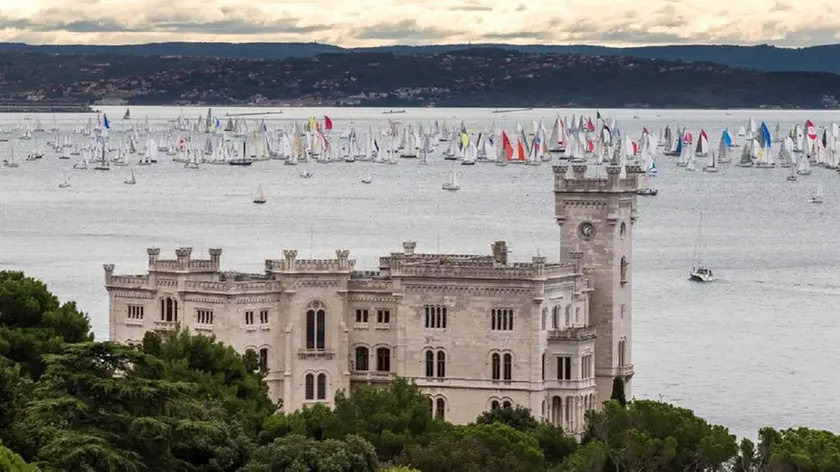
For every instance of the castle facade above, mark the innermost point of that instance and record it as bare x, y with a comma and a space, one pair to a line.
474, 331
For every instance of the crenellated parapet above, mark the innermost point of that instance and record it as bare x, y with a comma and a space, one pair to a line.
183, 262
580, 182
290, 263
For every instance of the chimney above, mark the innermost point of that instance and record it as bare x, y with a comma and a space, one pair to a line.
183, 255
153, 253
408, 247
215, 258
500, 253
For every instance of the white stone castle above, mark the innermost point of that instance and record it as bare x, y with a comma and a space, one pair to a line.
474, 332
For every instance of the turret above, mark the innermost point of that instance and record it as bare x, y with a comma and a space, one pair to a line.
183, 255
109, 271
215, 258
290, 256
342, 255
153, 253
408, 247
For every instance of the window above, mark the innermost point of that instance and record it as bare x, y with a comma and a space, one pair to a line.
564, 368
496, 360
322, 386
135, 312
543, 366
440, 411
430, 363
263, 316
169, 310
577, 314
316, 318
568, 315
501, 319
362, 358
264, 359
508, 367
441, 364
624, 265
204, 317
506, 404
383, 359
494, 405
361, 315
555, 317
622, 352
544, 316
586, 367
310, 387
383, 316
249, 317
435, 316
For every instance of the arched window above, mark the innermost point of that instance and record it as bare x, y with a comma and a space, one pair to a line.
264, 359
508, 366
383, 359
316, 318
169, 309
430, 363
543, 366
506, 404
555, 317
494, 405
497, 366
441, 365
431, 407
568, 315
310, 387
544, 316
322, 386
362, 358
624, 265
441, 409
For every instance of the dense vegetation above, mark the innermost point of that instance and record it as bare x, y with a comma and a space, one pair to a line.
183, 402
472, 77
764, 58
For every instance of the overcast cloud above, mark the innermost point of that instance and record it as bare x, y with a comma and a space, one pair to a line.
388, 22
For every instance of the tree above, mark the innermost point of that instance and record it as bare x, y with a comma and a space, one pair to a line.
618, 391
518, 417
317, 422
799, 449
461, 453
11, 462
107, 407
34, 323
296, 453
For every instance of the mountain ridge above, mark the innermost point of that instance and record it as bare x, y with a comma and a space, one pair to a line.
766, 58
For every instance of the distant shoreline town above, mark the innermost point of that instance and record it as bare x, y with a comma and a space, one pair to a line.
477, 77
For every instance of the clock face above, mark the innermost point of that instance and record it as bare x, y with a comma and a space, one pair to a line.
586, 230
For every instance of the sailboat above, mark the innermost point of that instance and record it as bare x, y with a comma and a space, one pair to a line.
259, 198
817, 198
131, 180
452, 184
700, 273
127, 115
64, 183
11, 162
712, 167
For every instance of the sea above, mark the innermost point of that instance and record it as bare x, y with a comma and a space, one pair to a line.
756, 348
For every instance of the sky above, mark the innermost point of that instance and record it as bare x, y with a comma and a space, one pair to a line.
353, 23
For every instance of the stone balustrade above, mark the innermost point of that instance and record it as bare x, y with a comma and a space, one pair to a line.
304, 354
583, 333
373, 377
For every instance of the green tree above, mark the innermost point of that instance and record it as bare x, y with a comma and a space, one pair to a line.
797, 449
618, 391
518, 417
317, 422
11, 462
461, 453
296, 453
107, 407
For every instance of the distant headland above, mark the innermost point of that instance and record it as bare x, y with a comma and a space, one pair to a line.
187, 74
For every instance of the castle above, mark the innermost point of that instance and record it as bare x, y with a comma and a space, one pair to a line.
474, 332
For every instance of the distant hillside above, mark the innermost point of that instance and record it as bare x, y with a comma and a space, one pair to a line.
479, 77
763, 58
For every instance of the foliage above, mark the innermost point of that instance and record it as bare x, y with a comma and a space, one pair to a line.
618, 391
11, 462
296, 453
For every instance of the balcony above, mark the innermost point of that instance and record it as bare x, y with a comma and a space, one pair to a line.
572, 334
166, 325
304, 354
371, 377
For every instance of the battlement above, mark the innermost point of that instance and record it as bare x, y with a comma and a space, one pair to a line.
620, 179
290, 263
183, 261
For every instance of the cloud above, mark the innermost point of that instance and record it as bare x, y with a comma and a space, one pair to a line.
378, 22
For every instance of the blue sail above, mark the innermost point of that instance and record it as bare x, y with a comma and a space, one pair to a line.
727, 139
766, 132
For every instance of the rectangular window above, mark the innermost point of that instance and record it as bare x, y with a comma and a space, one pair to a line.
135, 312
362, 315
264, 359
564, 368
249, 317
383, 316
263, 316
501, 319
204, 317
435, 316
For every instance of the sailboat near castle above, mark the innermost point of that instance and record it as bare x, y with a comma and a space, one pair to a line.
700, 273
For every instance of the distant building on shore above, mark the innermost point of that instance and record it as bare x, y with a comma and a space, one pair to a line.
474, 331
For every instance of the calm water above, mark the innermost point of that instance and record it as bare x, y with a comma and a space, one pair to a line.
756, 348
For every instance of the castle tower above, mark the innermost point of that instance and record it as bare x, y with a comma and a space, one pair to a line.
596, 217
